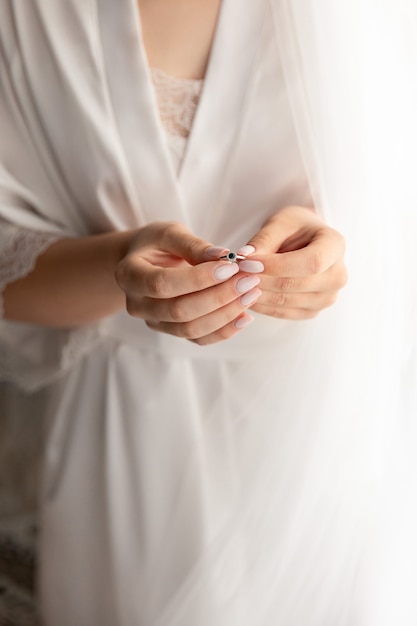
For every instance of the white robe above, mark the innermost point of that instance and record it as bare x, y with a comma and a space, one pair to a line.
238, 484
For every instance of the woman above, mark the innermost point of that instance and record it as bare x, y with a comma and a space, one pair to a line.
239, 480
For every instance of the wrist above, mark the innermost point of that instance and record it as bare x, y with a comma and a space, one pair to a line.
116, 244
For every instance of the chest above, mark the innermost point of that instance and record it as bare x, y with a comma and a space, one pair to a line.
178, 34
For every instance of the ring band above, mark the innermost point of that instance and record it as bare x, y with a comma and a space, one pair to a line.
232, 257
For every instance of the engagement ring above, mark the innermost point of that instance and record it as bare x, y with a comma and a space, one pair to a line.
232, 257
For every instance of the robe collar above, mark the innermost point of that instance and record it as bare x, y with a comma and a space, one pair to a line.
159, 194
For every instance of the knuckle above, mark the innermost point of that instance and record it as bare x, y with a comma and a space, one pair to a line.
157, 284
285, 284
170, 230
279, 299
177, 311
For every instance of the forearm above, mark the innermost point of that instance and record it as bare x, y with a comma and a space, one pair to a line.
73, 283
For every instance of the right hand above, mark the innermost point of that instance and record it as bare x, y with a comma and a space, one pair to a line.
172, 282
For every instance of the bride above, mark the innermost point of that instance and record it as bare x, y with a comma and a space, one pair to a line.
231, 438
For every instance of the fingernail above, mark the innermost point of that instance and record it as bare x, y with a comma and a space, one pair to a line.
251, 266
246, 284
226, 270
246, 250
215, 251
243, 321
250, 297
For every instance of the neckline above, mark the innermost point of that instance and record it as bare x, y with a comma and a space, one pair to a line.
158, 192
177, 100
216, 40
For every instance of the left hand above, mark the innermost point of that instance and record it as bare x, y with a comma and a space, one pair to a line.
304, 267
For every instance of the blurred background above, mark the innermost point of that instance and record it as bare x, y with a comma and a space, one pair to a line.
21, 444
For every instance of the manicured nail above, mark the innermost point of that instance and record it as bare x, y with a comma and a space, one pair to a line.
246, 250
226, 270
253, 267
250, 297
215, 251
246, 284
243, 321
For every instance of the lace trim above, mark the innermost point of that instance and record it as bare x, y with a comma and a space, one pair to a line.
19, 250
178, 99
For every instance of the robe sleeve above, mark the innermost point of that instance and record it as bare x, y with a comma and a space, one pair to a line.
32, 356
34, 212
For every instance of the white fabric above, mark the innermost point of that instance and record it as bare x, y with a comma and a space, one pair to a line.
249, 482
357, 129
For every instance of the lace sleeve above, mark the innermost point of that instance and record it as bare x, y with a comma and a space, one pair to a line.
33, 356
19, 249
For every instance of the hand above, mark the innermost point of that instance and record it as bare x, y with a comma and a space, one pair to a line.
303, 259
167, 285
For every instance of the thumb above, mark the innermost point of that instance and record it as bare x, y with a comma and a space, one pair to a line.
287, 230
176, 239
268, 239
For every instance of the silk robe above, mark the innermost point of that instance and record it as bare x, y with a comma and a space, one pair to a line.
235, 484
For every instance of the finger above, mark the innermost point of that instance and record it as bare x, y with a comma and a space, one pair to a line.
333, 279
284, 313
324, 251
192, 306
138, 277
210, 323
293, 224
307, 301
227, 331
176, 239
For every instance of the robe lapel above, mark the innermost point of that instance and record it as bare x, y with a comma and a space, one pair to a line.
135, 111
219, 118
160, 194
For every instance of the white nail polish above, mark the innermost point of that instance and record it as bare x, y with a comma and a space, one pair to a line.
250, 297
243, 321
251, 266
246, 250
246, 284
226, 270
